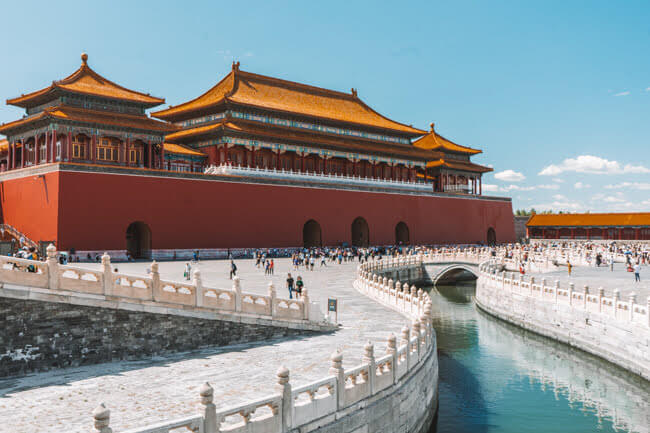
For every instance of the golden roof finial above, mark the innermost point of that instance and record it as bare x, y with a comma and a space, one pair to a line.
84, 58
432, 126
354, 92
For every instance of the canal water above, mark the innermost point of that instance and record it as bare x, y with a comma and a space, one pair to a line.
495, 377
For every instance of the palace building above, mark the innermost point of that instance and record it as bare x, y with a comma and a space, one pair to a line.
254, 161
590, 226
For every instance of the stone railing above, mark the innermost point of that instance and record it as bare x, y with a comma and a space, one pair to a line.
610, 327
341, 179
131, 288
313, 405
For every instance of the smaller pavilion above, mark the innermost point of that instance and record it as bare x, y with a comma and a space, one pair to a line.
590, 226
452, 171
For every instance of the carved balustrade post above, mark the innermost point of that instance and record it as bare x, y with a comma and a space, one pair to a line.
541, 289
617, 297
414, 294
632, 301
584, 296
236, 288
102, 418
305, 303
557, 287
417, 329
601, 293
647, 311
530, 288
369, 358
155, 282
391, 349
198, 288
406, 339
571, 287
336, 369
52, 268
272, 295
284, 387
209, 409
107, 275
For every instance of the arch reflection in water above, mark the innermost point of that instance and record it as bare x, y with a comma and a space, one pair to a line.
497, 377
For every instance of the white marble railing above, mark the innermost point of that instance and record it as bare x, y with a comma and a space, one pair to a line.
132, 288
583, 299
342, 179
290, 409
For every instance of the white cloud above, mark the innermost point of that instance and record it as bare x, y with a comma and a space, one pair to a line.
548, 186
490, 188
509, 176
559, 205
559, 197
611, 199
591, 164
630, 185
558, 180
580, 185
625, 93
647, 89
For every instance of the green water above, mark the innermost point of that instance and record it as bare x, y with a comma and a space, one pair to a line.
495, 377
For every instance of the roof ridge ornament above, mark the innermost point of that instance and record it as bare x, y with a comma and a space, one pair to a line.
235, 66
354, 92
84, 59
432, 125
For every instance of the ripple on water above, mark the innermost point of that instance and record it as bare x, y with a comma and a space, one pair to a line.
495, 377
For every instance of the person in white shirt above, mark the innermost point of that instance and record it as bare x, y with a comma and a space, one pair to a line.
637, 271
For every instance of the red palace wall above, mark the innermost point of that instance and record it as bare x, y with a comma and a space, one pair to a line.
95, 210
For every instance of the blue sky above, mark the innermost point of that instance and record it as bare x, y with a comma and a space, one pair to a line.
556, 93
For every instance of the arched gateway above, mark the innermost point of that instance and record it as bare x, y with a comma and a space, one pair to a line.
360, 233
312, 235
138, 240
491, 236
401, 233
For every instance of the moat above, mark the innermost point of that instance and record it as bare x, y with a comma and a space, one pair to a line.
495, 377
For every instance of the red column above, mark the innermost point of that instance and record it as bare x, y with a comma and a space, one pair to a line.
543, 233
572, 234
253, 161
48, 139
636, 234
150, 155
588, 232
54, 147
127, 145
302, 162
10, 156
23, 151
68, 153
480, 186
36, 150
277, 161
620, 233
93, 142
162, 156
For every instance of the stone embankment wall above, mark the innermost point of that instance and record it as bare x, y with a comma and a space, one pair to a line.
40, 335
397, 391
57, 316
614, 329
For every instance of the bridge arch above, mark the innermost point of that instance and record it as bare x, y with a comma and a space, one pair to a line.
451, 272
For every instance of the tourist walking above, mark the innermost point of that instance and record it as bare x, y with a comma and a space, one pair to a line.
299, 286
290, 285
272, 267
637, 272
233, 269
188, 271
569, 267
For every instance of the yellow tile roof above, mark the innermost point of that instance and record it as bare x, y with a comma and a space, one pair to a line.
459, 165
435, 141
77, 114
275, 94
589, 220
181, 150
86, 81
4, 144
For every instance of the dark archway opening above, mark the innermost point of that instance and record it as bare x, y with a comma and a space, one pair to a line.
360, 233
401, 233
312, 235
491, 236
138, 240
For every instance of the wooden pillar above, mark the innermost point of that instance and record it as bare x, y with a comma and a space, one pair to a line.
619, 231
302, 162
253, 161
588, 233
162, 155
10, 156
93, 145
636, 234
150, 155
480, 186
35, 150
127, 145
68, 156
277, 161
55, 147
23, 151
572, 233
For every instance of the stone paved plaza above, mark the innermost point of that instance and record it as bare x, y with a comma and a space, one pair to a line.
602, 277
144, 392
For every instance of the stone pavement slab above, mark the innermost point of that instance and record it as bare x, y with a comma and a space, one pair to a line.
148, 391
